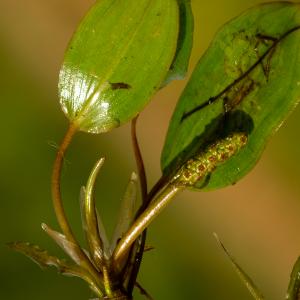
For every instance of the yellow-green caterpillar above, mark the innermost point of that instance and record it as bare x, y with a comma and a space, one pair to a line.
205, 162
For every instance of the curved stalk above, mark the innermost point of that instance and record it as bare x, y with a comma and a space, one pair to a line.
59, 208
153, 210
55, 183
139, 160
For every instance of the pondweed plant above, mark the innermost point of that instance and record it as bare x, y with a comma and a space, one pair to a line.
241, 91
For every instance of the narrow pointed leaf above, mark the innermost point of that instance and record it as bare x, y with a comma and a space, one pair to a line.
242, 274
89, 208
293, 292
101, 229
180, 63
127, 210
82, 196
247, 81
116, 60
102, 233
69, 248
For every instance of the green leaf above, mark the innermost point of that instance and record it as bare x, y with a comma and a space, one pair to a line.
116, 60
247, 81
293, 292
180, 63
101, 229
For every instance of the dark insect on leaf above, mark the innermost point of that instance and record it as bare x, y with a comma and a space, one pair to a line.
120, 86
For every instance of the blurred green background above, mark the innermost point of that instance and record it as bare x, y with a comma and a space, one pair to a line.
257, 219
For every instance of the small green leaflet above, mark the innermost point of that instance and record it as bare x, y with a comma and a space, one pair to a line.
117, 59
247, 81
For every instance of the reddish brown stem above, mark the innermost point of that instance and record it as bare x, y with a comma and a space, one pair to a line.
139, 160
56, 177
138, 251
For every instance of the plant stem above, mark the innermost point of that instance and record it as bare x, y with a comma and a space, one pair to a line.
156, 188
139, 245
139, 160
56, 177
58, 204
153, 210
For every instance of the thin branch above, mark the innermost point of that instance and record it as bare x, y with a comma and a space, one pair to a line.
139, 160
137, 254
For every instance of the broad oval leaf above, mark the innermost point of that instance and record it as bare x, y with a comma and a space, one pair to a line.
116, 60
247, 81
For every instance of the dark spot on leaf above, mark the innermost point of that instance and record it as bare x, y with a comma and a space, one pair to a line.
187, 174
243, 140
201, 168
224, 156
233, 99
120, 86
212, 159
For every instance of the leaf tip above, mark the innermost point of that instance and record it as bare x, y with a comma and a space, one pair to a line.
134, 177
44, 227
